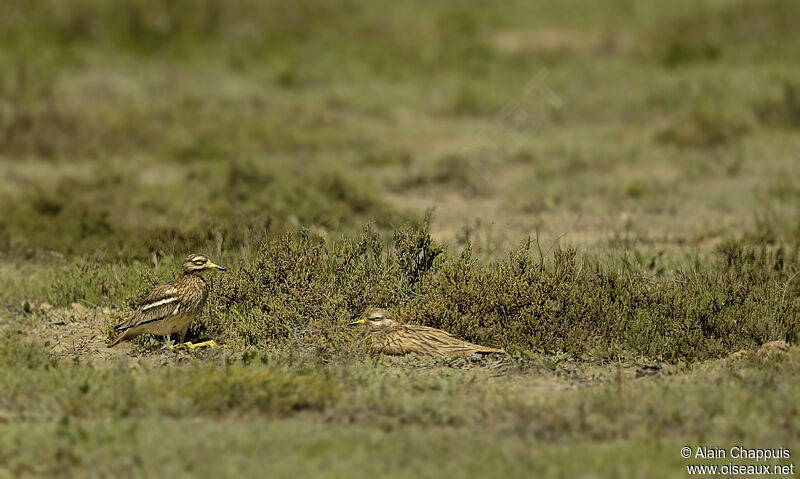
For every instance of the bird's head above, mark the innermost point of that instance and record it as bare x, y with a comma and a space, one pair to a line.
375, 319
198, 264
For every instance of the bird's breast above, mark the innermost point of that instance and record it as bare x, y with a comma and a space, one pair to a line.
194, 293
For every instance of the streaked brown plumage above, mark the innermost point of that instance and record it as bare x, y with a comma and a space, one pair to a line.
388, 336
171, 308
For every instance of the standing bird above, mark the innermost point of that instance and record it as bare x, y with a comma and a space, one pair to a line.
391, 337
170, 308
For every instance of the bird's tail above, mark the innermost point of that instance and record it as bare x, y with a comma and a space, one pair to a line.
485, 350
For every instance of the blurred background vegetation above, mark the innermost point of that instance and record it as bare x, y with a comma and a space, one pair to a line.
154, 126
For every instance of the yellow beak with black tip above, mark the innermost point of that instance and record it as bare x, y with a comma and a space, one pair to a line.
216, 266
358, 322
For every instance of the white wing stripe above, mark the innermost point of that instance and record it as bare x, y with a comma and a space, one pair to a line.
159, 303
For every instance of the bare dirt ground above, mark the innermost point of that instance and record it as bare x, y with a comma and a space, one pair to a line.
78, 334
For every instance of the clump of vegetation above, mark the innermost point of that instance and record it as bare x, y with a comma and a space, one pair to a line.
784, 111
582, 307
463, 173
303, 290
706, 126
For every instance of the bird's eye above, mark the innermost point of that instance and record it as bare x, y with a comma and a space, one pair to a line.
199, 262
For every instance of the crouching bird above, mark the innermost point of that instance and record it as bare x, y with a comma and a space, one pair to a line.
171, 308
388, 336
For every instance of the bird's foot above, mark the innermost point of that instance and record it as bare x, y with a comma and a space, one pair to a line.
189, 345
205, 344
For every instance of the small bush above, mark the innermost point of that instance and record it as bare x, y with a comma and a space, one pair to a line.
301, 291
304, 289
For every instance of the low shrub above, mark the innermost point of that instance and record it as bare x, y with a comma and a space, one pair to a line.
302, 290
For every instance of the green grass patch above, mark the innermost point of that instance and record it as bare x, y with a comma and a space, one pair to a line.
298, 413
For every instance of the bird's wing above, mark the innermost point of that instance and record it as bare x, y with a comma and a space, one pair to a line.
436, 341
391, 342
161, 302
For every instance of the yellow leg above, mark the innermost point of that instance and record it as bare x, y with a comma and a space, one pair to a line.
189, 345
205, 344
168, 343
182, 344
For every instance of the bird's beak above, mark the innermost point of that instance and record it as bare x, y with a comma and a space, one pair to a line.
358, 322
216, 266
